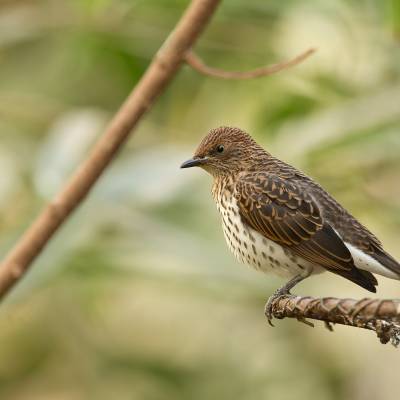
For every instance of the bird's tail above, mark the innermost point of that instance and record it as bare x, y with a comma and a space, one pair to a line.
360, 277
387, 261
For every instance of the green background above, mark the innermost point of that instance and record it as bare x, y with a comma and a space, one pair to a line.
137, 297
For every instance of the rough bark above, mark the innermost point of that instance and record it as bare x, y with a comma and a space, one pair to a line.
381, 316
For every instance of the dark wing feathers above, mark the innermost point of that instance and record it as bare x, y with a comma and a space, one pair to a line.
350, 229
386, 260
329, 251
277, 209
289, 216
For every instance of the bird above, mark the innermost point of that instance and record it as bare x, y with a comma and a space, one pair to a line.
278, 220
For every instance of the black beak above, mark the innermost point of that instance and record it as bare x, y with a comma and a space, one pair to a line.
193, 162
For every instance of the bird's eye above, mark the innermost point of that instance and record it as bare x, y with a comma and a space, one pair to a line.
220, 148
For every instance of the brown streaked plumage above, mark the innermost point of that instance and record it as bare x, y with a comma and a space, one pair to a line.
277, 219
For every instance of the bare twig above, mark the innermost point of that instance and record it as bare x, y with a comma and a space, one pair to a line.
381, 316
159, 73
196, 63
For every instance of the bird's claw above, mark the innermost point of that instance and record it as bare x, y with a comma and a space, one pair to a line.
329, 326
268, 309
304, 321
283, 291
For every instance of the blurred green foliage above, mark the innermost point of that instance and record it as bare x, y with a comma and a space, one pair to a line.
137, 297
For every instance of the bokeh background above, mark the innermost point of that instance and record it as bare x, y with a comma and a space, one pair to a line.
138, 297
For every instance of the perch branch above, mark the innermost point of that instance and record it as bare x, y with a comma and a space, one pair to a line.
160, 72
381, 316
197, 64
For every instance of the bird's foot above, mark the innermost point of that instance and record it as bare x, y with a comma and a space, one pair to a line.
283, 291
268, 310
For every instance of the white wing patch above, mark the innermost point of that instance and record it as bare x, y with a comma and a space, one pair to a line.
367, 263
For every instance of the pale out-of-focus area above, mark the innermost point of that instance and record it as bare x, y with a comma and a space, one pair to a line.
138, 296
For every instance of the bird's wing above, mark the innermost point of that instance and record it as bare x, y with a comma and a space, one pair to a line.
284, 213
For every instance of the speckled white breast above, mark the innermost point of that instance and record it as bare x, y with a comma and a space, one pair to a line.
254, 249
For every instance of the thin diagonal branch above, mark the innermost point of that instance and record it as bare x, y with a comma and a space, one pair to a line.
160, 72
197, 64
381, 316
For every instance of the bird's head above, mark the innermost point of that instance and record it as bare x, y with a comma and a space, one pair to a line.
223, 151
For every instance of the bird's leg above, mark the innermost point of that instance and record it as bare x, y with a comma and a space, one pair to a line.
283, 291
